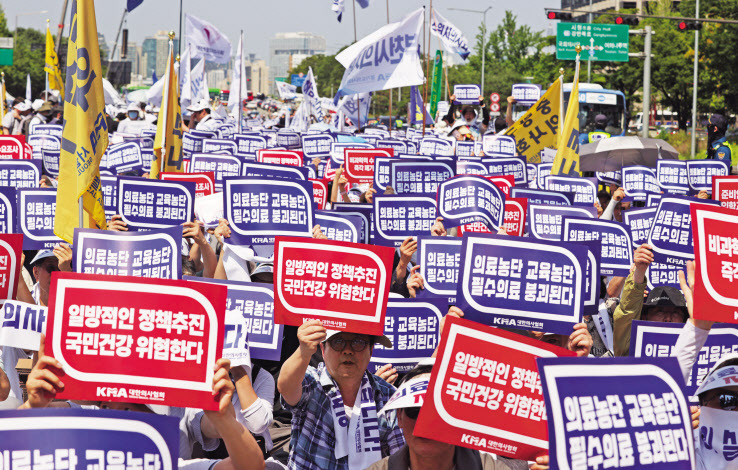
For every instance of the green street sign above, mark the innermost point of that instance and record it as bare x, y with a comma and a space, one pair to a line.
6, 56
600, 42
281, 79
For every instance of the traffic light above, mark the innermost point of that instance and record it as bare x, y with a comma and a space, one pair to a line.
689, 25
558, 15
629, 20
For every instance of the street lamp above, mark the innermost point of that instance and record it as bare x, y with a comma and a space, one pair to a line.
484, 36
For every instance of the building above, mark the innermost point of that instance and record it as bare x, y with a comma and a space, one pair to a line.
258, 75
155, 51
599, 6
287, 50
216, 78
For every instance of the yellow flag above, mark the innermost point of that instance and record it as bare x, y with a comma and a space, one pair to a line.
538, 128
4, 104
566, 161
85, 134
52, 65
168, 141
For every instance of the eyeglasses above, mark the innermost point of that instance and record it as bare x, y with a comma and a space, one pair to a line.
339, 344
412, 413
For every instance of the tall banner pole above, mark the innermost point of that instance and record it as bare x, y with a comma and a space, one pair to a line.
390, 90
358, 102
427, 66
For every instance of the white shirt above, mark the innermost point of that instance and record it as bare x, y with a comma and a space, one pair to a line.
8, 359
207, 124
257, 417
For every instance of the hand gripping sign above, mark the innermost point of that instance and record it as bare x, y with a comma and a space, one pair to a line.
76, 438
485, 393
466, 199
205, 182
639, 182
397, 217
345, 285
11, 246
149, 204
639, 222
358, 164
617, 252
439, 260
521, 283
136, 340
467, 94
626, 413
279, 157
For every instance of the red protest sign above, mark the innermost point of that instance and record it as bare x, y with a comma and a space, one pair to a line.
279, 157
205, 181
13, 147
725, 190
11, 249
503, 182
136, 340
345, 285
28, 154
320, 193
715, 236
515, 211
358, 164
485, 392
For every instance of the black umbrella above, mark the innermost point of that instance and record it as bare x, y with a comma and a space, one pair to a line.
617, 152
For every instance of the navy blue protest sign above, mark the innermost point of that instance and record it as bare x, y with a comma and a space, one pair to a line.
639, 182
439, 260
612, 177
318, 145
652, 200
288, 139
639, 222
271, 170
471, 166
46, 129
416, 177
365, 212
43, 142
544, 171
584, 189
468, 148
50, 162
436, 146
397, 217
221, 146
507, 166
672, 176
541, 196
700, 173
413, 326
592, 276
36, 209
526, 93
671, 230
109, 186
340, 227
151, 204
466, 199
79, 438
147, 156
222, 166
382, 178
626, 413
664, 271
261, 209
123, 158
467, 94
8, 210
20, 173
616, 256
545, 222
248, 145
498, 145
520, 283
338, 150
154, 254
192, 142
396, 145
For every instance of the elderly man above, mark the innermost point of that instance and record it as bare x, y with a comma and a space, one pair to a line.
201, 119
334, 407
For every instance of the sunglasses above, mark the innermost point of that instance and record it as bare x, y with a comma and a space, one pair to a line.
412, 413
339, 344
727, 400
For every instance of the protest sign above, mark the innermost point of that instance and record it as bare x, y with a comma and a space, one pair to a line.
12, 147
618, 412
39, 143
439, 259
485, 393
46, 129
36, 209
192, 142
20, 173
413, 177
617, 253
652, 200
320, 193
507, 166
396, 145
50, 162
344, 285
338, 150
123, 158
468, 148
540, 196
248, 145
358, 166
701, 172
148, 204
592, 276
365, 212
340, 227
639, 182
397, 217
672, 176
544, 171
584, 189
222, 146
614, 177
109, 186
498, 145
522, 283
725, 190
526, 93
503, 182
515, 216
664, 271
153, 254
639, 221
471, 166
318, 145
222, 166
11, 251
136, 340
531, 171
279, 157
671, 230
287, 139
537, 129
260, 209
209, 210
63, 438
147, 156
204, 182
413, 327
436, 146
22, 325
466, 199
467, 94
545, 221
269, 170
8, 210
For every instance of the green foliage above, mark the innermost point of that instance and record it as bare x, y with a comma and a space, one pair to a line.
26, 61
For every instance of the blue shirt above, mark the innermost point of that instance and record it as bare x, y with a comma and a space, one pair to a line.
313, 439
722, 151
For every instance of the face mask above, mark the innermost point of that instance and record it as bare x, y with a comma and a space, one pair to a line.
717, 447
133, 116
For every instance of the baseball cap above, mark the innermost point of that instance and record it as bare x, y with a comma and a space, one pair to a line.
36, 105
601, 119
722, 375
411, 394
383, 340
719, 121
41, 255
199, 106
665, 296
22, 107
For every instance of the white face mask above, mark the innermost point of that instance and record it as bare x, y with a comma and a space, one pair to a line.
717, 447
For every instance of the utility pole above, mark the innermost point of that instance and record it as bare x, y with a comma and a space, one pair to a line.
694, 84
646, 84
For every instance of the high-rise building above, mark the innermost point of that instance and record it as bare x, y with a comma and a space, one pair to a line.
287, 50
155, 51
259, 77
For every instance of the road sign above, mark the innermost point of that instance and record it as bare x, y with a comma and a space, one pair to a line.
6, 51
494, 97
600, 42
494, 107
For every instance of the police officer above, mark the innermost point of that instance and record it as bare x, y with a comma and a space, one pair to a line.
599, 132
717, 144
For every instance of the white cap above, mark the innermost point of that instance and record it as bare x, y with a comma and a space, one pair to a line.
411, 394
22, 107
37, 104
721, 375
199, 106
133, 107
42, 254
383, 340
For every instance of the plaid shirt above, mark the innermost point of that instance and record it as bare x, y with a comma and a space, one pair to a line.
313, 439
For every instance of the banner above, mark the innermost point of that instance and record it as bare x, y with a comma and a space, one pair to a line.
416, 177
545, 222
22, 325
485, 393
436, 83
318, 145
11, 251
397, 217
397, 146
671, 230
340, 227
344, 285
724, 189
584, 189
639, 182
271, 171
8, 210
672, 176
515, 216
439, 260
538, 128
540, 196
123, 158
145, 204
616, 256
153, 254
285, 90
520, 283
639, 222
44, 142
365, 212
350, 105
498, 145
413, 327
135, 340
51, 65
221, 166
204, 182
358, 166
36, 212
205, 41
311, 98
701, 172
260, 209
452, 38
467, 94
466, 199
620, 412
507, 166
468, 149
168, 139
279, 157
12, 147
222, 146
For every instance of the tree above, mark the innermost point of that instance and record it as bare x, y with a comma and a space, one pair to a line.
26, 60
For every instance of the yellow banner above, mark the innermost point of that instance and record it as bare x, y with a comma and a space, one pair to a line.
51, 66
168, 140
85, 134
566, 161
538, 128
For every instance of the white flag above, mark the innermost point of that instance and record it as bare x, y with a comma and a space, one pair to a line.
29, 95
286, 90
199, 82
452, 38
349, 105
310, 92
237, 95
301, 120
206, 41
154, 94
338, 8
387, 58
185, 78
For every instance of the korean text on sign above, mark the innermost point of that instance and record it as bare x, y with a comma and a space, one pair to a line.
149, 204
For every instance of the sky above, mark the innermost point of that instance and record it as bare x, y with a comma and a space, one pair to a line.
262, 19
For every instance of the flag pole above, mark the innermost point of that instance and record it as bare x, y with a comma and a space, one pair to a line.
561, 108
425, 81
358, 102
2, 97
46, 93
390, 90
240, 88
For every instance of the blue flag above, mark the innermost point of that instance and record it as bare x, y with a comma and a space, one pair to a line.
132, 4
416, 108
153, 76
